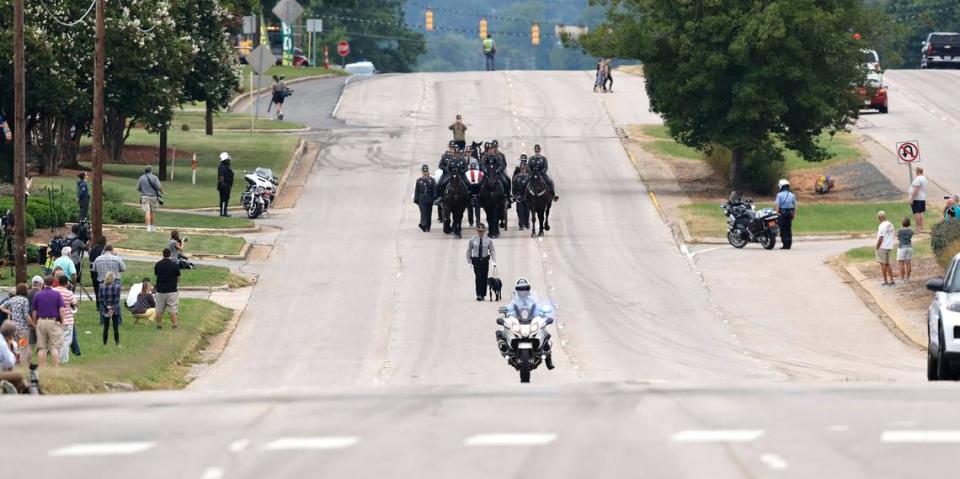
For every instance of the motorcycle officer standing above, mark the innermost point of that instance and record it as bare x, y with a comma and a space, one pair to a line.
224, 182
787, 209
539, 164
423, 196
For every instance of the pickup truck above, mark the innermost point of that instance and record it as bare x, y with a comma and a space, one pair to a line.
941, 50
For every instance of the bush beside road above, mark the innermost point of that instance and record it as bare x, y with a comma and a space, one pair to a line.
148, 358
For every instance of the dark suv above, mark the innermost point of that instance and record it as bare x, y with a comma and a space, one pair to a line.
941, 49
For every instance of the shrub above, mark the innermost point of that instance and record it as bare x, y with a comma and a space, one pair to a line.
185, 127
33, 253
945, 241
119, 213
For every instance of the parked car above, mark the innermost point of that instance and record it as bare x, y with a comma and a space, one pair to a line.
360, 68
943, 325
941, 50
871, 61
873, 93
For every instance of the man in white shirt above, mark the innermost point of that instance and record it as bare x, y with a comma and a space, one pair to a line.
885, 235
918, 197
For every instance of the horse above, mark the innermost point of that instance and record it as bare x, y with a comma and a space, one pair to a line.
475, 149
539, 198
453, 203
493, 197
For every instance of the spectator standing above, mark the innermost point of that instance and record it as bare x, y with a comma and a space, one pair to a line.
110, 307
5, 129
490, 51
70, 305
480, 251
167, 298
224, 182
146, 305
18, 309
95, 253
108, 262
918, 197
905, 249
83, 195
608, 81
598, 79
27, 184
885, 234
950, 211
65, 262
48, 309
459, 133
150, 192
8, 360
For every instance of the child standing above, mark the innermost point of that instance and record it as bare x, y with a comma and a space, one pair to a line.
905, 249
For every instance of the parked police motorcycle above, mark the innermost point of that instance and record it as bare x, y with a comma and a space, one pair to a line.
260, 192
746, 225
524, 341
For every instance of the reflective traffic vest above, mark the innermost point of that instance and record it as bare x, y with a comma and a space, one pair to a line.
487, 45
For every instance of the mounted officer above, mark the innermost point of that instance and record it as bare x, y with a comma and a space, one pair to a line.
523, 162
456, 166
447, 155
521, 177
495, 164
539, 165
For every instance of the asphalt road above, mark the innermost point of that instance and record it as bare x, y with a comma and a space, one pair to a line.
362, 352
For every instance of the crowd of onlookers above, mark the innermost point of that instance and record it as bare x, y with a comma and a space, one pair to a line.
38, 321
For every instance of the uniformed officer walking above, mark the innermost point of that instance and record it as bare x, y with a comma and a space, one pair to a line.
787, 209
480, 253
423, 195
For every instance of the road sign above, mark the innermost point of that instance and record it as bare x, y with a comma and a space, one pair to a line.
260, 59
288, 11
908, 151
314, 25
249, 25
343, 48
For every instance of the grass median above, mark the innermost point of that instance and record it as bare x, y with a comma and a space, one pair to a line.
180, 219
238, 122
290, 72
148, 359
707, 220
201, 276
141, 240
868, 254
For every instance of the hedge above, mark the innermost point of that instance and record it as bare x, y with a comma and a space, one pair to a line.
945, 241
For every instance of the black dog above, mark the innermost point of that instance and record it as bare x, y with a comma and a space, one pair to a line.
494, 285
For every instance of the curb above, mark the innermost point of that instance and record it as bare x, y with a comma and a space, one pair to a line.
259, 130
244, 251
903, 326
253, 229
696, 240
263, 91
297, 156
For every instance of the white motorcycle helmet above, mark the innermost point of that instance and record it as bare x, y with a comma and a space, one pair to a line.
522, 288
224, 157
783, 182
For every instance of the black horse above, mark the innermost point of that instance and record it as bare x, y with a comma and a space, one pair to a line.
475, 149
454, 203
539, 198
493, 197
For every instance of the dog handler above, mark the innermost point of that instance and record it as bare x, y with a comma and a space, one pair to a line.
480, 252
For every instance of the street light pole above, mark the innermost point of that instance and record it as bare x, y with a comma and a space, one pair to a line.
98, 124
19, 146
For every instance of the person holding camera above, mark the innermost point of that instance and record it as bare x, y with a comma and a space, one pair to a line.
83, 195
150, 195
8, 358
176, 248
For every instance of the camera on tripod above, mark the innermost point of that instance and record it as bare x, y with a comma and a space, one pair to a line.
84, 230
6, 222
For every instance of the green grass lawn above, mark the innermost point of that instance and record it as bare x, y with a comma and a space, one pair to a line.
196, 244
706, 219
148, 359
248, 151
868, 254
179, 219
842, 148
288, 71
230, 121
202, 275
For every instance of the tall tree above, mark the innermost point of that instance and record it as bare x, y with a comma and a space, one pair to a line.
742, 73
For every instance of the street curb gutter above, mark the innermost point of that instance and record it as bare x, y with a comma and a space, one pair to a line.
291, 166
903, 326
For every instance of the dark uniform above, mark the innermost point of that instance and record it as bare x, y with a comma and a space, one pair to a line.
456, 166
539, 164
423, 195
520, 179
83, 196
787, 207
480, 252
224, 185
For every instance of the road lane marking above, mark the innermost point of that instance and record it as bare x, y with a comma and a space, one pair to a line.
839, 428
212, 473
311, 443
101, 449
918, 436
774, 462
514, 439
239, 445
717, 435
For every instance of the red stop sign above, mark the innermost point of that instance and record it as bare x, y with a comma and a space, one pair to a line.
343, 48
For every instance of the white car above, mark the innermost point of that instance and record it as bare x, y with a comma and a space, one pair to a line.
943, 325
360, 68
871, 61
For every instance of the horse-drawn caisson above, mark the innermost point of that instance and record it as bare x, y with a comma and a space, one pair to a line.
476, 178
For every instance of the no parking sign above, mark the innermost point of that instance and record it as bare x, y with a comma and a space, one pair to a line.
908, 152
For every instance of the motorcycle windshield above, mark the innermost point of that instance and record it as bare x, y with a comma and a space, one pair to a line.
264, 173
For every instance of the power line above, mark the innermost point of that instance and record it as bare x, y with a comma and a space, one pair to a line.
68, 24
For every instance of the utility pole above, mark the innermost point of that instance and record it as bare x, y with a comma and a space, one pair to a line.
19, 147
98, 114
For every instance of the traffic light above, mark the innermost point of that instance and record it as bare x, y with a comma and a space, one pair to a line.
535, 34
429, 21
483, 27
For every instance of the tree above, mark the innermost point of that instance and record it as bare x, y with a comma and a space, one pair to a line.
747, 75
214, 74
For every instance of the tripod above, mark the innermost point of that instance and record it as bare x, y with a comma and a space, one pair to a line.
6, 249
78, 285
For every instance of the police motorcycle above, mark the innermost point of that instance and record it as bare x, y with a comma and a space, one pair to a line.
747, 225
260, 192
524, 340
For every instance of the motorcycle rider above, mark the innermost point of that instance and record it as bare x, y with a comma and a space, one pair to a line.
525, 298
787, 209
539, 164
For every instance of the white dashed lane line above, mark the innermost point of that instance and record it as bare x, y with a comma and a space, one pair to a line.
311, 443
101, 449
717, 435
212, 473
774, 462
919, 436
509, 439
239, 445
